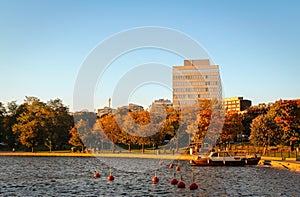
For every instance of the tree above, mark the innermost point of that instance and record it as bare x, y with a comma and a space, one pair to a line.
32, 123
129, 127
264, 131
2, 116
250, 115
10, 119
99, 135
75, 139
232, 126
38, 123
60, 122
287, 117
210, 122
110, 128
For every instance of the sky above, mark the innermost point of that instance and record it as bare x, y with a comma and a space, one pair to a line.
43, 45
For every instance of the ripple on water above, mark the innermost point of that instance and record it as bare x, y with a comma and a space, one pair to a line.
68, 176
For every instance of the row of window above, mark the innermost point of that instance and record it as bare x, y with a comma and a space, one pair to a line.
202, 77
196, 89
232, 106
195, 96
195, 83
202, 71
187, 102
231, 102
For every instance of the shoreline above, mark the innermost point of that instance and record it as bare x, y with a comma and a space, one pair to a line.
276, 162
112, 155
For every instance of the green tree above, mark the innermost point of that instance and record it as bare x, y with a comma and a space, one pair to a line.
10, 119
264, 131
2, 128
59, 124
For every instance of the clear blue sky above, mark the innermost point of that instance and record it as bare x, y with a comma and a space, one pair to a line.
43, 44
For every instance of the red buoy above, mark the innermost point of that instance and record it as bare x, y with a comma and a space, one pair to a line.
97, 175
181, 184
193, 186
177, 168
155, 179
171, 165
110, 177
174, 181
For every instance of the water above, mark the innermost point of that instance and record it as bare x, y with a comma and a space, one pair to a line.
73, 176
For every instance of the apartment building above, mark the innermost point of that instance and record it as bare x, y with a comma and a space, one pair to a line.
195, 80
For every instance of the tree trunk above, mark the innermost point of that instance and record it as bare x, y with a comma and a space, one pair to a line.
129, 147
265, 150
112, 147
143, 148
32, 149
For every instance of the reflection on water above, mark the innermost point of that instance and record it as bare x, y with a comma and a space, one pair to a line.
71, 176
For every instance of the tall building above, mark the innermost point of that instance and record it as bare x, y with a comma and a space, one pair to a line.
237, 104
195, 80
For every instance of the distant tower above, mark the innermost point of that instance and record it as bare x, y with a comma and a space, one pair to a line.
109, 101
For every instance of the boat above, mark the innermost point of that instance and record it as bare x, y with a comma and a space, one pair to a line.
251, 159
218, 158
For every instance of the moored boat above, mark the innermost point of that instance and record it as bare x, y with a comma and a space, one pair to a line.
252, 159
218, 158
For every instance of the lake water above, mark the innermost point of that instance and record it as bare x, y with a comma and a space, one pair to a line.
73, 176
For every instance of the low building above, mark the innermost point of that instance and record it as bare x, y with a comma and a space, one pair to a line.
105, 111
135, 107
237, 104
265, 105
159, 106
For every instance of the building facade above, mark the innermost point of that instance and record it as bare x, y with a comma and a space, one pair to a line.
195, 80
236, 104
160, 105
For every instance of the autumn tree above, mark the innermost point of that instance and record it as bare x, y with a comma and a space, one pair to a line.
75, 138
250, 114
232, 127
38, 123
99, 135
129, 127
110, 128
31, 123
287, 118
210, 122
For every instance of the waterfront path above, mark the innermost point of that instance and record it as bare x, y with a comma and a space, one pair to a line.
287, 163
